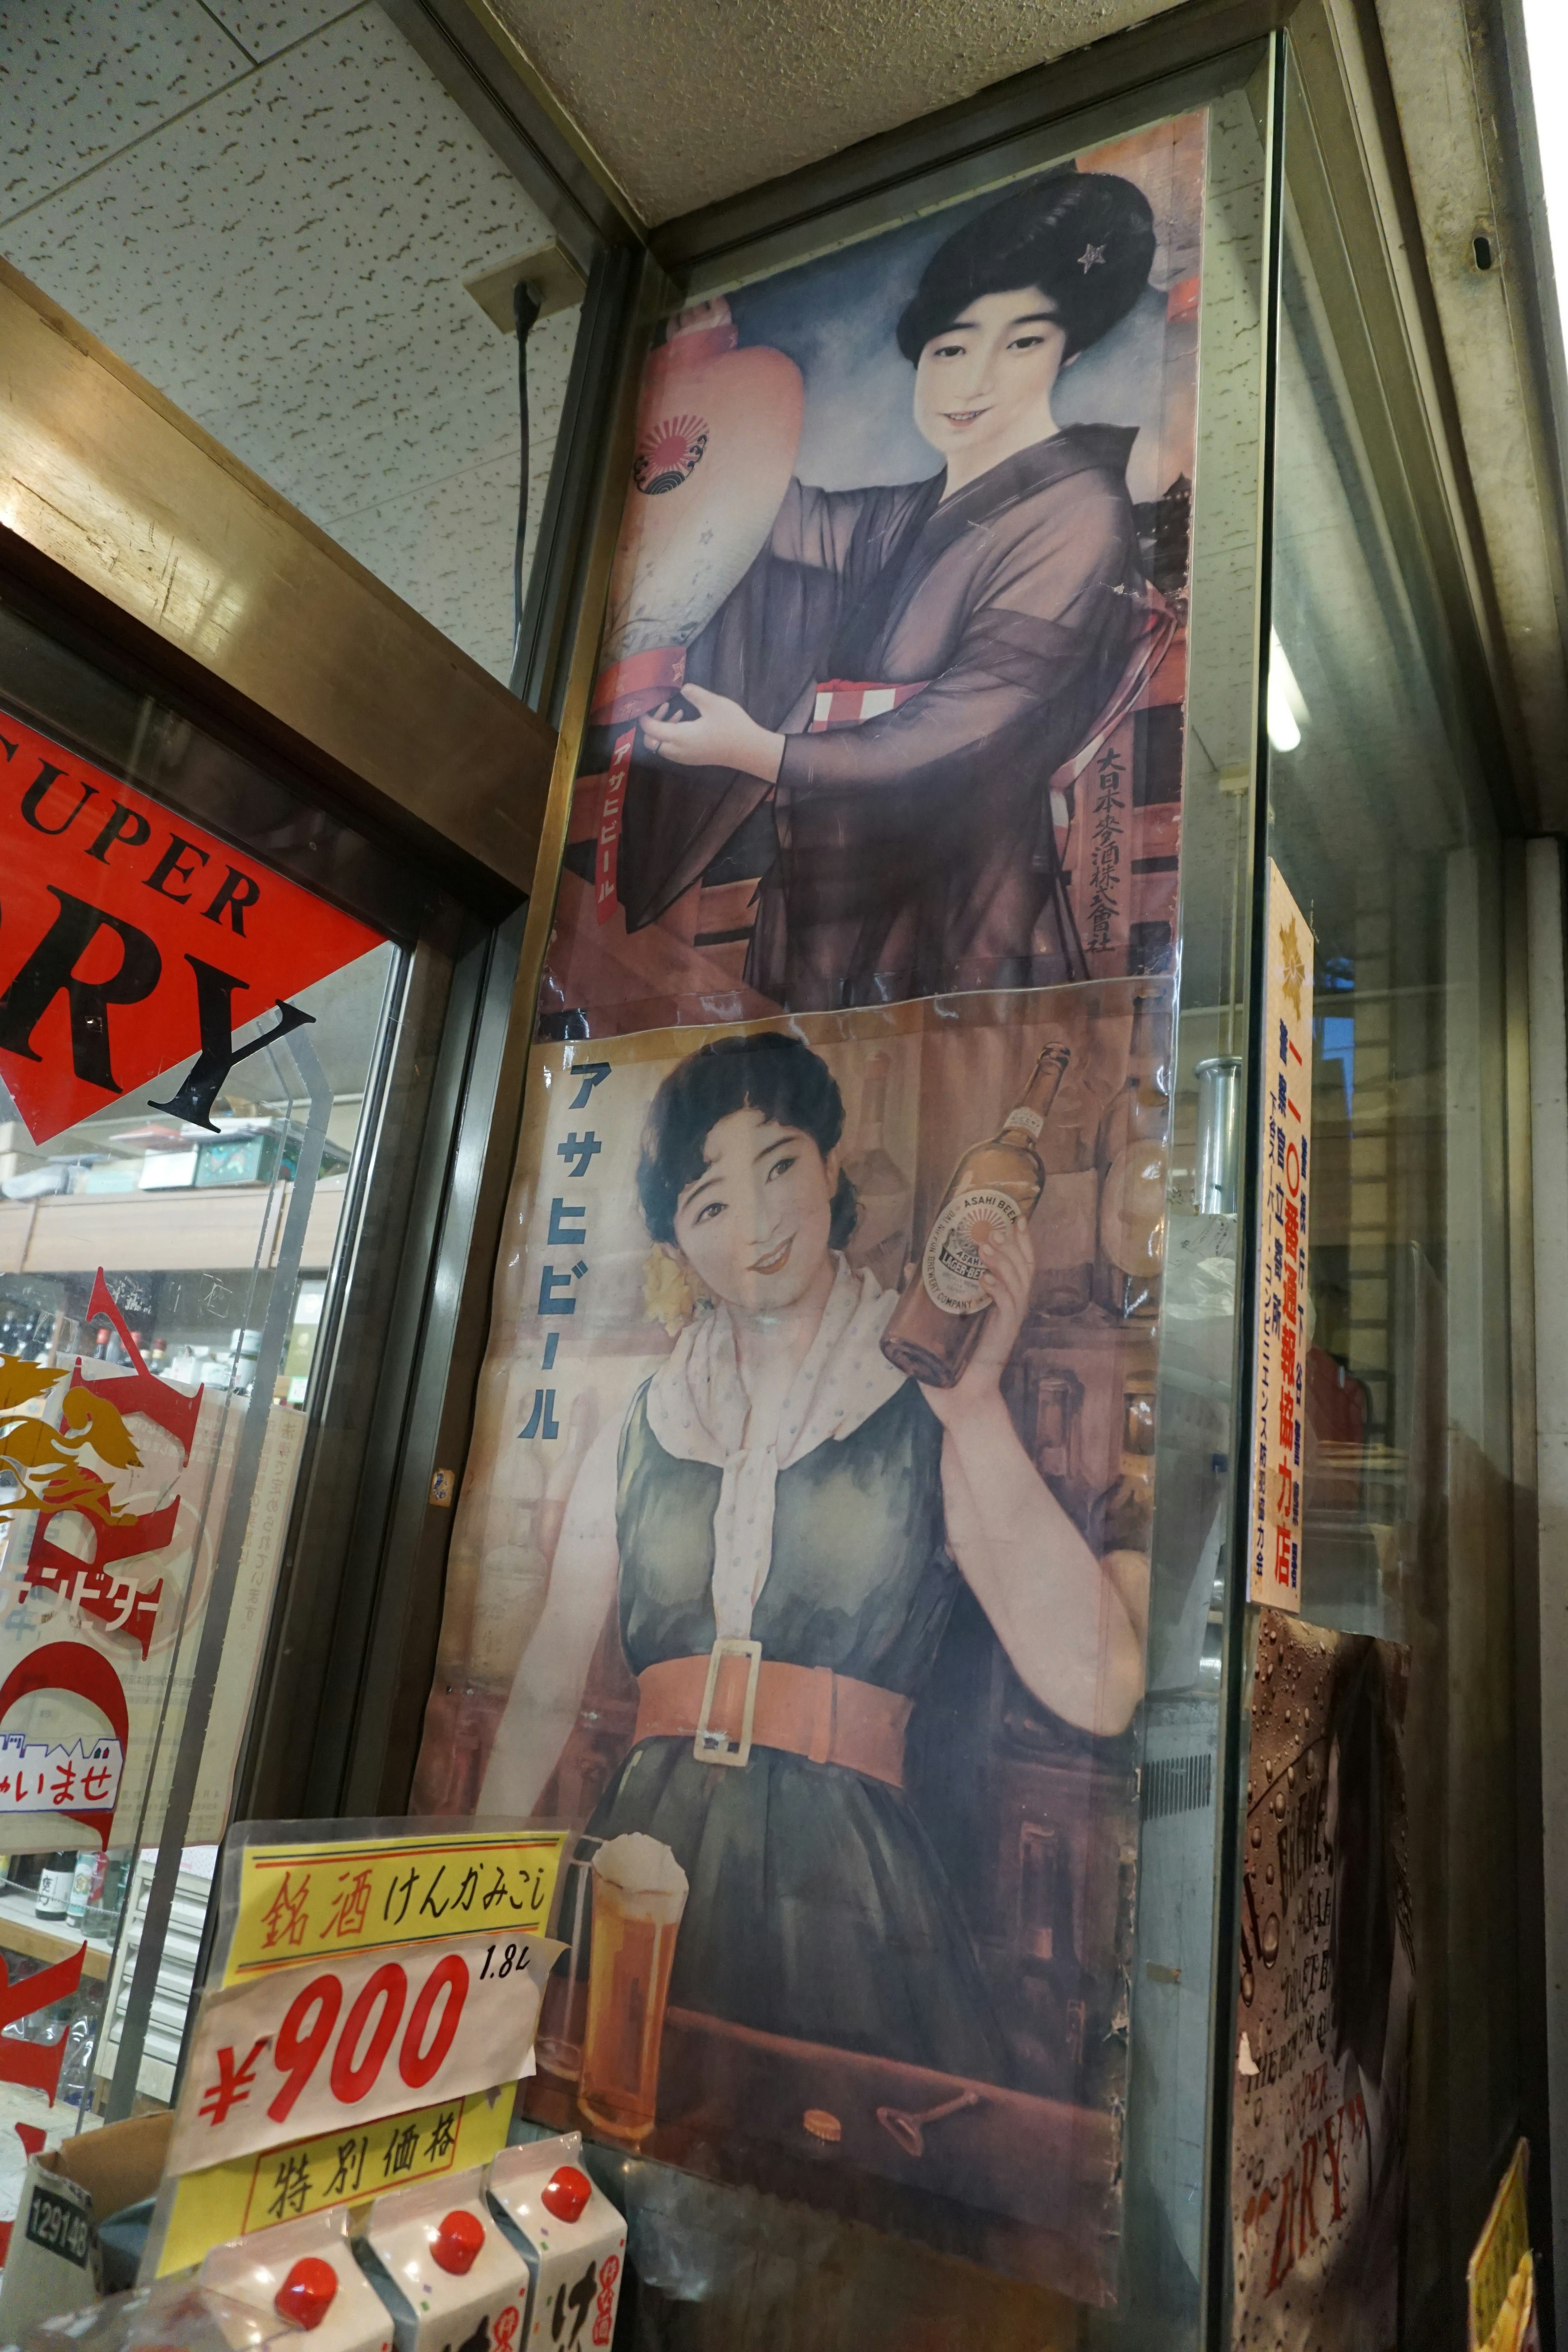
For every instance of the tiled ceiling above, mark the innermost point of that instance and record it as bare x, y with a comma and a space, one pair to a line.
269, 208
689, 101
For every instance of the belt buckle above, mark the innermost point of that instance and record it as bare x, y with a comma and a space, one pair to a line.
712, 1746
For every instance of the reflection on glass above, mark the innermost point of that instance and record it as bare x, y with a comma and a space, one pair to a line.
1379, 827
187, 1227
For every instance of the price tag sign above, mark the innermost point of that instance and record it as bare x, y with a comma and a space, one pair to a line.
374, 2001
313, 1902
326, 2045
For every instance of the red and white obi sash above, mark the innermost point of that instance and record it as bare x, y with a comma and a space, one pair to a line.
631, 688
849, 702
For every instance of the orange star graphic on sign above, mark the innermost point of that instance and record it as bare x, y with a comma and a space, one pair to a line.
1295, 969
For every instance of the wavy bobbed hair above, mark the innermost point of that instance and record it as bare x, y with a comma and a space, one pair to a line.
776, 1076
1085, 238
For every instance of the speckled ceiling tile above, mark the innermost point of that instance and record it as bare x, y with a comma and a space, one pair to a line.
447, 546
78, 81
286, 262
689, 101
265, 27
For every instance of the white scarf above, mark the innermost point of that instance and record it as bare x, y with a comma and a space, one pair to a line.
697, 1407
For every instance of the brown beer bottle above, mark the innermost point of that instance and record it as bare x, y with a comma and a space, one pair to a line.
935, 1327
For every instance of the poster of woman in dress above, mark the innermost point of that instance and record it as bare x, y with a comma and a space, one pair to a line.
890, 692
858, 1652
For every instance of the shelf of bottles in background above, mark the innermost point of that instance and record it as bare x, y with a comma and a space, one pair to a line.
883, 1194
1122, 1518
1130, 1157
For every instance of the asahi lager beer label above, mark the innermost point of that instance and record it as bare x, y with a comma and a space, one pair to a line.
950, 1268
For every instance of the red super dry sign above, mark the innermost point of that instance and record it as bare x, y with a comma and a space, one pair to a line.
131, 939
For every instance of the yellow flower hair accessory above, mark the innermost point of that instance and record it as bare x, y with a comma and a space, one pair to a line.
669, 1295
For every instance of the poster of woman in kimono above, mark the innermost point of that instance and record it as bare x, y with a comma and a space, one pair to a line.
889, 701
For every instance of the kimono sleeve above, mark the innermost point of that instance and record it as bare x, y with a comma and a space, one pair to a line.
1047, 611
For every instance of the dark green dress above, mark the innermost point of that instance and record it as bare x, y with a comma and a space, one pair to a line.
818, 1906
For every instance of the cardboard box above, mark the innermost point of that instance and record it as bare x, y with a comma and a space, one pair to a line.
53, 2264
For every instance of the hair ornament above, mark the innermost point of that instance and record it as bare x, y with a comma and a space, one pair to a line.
1086, 240
670, 1294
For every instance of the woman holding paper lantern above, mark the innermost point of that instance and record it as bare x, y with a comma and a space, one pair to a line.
901, 670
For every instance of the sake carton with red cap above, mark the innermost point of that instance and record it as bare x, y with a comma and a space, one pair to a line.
448, 2273
570, 2236
303, 2276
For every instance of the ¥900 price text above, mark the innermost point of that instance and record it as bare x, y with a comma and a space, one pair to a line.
410, 2017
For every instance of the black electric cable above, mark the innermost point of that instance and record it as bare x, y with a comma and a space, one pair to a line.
525, 302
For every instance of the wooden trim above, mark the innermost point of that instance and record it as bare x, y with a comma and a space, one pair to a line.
108, 490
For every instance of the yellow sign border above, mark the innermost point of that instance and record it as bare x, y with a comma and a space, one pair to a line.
452, 1884
217, 2204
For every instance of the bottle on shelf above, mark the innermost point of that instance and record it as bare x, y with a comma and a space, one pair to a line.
1052, 1428
1131, 1156
86, 1885
1065, 1285
1122, 1518
53, 1898
883, 1194
935, 1327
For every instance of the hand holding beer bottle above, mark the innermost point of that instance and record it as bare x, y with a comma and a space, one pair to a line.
977, 1256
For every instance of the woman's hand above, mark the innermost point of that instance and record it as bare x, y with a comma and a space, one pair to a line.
721, 735
1007, 1274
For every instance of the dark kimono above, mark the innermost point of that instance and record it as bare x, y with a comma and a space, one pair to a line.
914, 852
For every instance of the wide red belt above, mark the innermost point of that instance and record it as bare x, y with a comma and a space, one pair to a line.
734, 1699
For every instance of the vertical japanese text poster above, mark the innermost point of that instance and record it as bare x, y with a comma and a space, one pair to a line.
1327, 1988
857, 1016
1285, 1121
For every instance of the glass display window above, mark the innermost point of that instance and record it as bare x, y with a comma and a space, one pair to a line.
1106, 2103
216, 1076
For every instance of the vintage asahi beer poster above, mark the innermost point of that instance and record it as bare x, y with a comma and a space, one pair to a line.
1327, 1986
891, 686
802, 1555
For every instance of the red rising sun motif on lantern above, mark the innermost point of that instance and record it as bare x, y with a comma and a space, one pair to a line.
669, 453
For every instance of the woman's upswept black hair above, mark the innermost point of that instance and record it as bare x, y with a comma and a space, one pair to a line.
1085, 238
775, 1076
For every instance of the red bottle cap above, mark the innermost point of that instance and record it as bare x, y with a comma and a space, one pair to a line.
455, 2242
566, 2193
306, 2294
